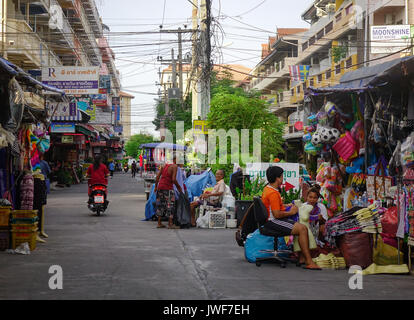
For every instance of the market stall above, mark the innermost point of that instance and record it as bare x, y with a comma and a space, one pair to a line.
361, 134
23, 139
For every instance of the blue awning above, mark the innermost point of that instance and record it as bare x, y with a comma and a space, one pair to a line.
387, 73
163, 145
6, 67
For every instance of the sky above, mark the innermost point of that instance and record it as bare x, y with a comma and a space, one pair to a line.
246, 25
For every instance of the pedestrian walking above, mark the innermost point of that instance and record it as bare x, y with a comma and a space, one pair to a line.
164, 187
134, 168
111, 168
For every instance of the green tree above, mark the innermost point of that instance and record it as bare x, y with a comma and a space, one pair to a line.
132, 146
240, 110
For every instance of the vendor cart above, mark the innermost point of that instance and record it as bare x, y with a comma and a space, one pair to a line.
154, 156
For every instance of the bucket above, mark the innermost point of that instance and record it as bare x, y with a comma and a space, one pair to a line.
231, 223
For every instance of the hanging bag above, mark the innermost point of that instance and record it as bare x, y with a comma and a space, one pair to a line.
376, 189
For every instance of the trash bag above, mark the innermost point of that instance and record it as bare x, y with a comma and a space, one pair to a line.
196, 183
356, 248
202, 222
255, 244
150, 210
15, 106
183, 210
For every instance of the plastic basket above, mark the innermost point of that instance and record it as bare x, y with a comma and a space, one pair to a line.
24, 227
217, 220
25, 214
24, 221
4, 240
20, 237
4, 216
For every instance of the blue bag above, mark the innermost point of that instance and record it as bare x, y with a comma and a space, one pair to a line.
150, 210
256, 242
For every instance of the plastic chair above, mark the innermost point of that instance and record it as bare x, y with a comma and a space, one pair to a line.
260, 214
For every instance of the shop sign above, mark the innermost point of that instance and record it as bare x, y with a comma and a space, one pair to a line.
67, 139
100, 100
73, 80
200, 127
118, 129
98, 144
65, 127
390, 38
105, 82
271, 99
116, 108
62, 109
290, 174
86, 106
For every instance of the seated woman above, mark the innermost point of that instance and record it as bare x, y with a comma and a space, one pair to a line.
213, 198
317, 217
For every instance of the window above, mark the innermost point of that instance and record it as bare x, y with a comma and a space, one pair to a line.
312, 41
320, 34
319, 78
338, 69
329, 27
338, 17
349, 63
349, 9
328, 74
312, 82
304, 86
292, 92
298, 89
305, 46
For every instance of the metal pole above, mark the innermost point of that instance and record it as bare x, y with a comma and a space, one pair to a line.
366, 46
406, 12
174, 70
180, 63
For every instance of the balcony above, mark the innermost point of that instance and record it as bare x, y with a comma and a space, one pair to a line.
283, 107
25, 48
327, 78
275, 73
342, 22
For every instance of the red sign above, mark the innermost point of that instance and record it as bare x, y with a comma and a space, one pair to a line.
98, 144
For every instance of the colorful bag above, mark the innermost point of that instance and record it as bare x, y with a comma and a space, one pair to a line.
255, 244
346, 146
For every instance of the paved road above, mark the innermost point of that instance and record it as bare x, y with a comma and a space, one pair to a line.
119, 256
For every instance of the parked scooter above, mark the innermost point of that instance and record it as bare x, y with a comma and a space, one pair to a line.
97, 200
126, 168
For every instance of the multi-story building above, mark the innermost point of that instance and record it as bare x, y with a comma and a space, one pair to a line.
126, 116
54, 33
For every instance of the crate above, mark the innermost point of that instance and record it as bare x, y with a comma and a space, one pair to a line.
21, 237
24, 221
217, 220
24, 214
24, 227
4, 216
4, 240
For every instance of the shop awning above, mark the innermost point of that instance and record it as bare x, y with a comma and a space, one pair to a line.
387, 73
6, 67
163, 145
83, 129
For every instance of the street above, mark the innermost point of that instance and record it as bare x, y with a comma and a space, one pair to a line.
119, 256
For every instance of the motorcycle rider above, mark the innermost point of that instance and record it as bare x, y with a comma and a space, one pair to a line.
97, 173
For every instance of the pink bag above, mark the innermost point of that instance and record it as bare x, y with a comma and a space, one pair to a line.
346, 146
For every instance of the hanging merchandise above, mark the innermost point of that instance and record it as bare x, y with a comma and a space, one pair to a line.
346, 146
15, 106
378, 188
407, 152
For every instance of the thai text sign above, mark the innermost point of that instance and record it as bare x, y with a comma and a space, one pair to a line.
390, 38
73, 80
200, 127
290, 174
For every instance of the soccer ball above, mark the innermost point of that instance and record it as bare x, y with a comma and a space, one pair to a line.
316, 139
329, 135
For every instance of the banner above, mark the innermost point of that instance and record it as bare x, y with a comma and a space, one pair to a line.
63, 111
200, 127
85, 105
73, 80
290, 175
105, 83
299, 73
116, 108
65, 127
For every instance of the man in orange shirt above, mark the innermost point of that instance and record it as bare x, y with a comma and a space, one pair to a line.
278, 219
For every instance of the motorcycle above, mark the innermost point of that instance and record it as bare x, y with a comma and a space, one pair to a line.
97, 200
126, 169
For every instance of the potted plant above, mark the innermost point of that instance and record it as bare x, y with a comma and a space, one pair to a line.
246, 195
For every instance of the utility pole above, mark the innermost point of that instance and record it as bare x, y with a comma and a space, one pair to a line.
366, 46
174, 69
194, 62
206, 65
180, 64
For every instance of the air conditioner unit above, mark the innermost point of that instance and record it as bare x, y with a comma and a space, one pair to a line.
390, 19
330, 8
320, 13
